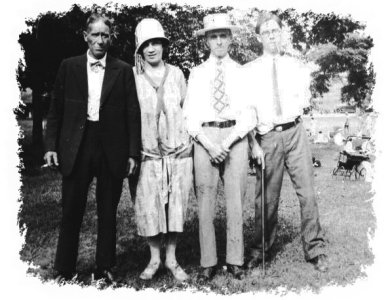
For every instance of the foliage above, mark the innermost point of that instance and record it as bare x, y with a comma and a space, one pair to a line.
50, 38
351, 59
336, 44
54, 36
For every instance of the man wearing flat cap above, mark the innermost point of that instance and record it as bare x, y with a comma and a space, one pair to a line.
279, 87
217, 120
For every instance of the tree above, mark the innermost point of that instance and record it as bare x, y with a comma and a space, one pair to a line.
335, 44
338, 46
50, 38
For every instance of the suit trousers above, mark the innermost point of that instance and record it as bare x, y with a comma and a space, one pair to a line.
288, 149
233, 172
90, 163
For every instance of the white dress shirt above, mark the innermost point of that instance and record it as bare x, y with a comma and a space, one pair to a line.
293, 79
95, 80
199, 101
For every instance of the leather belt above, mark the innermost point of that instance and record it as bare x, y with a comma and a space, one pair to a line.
285, 126
224, 124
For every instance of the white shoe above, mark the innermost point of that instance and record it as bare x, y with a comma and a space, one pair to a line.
150, 270
178, 273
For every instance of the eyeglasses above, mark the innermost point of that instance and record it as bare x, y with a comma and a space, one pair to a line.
266, 33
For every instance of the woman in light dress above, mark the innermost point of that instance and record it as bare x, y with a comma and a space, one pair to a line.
166, 169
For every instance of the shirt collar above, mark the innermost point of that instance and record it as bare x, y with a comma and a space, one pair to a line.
213, 60
91, 59
269, 57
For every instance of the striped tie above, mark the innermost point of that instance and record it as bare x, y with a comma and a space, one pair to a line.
275, 88
219, 89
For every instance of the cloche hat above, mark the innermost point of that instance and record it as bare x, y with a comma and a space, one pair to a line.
146, 30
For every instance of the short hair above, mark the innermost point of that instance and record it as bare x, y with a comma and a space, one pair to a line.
95, 17
165, 47
265, 17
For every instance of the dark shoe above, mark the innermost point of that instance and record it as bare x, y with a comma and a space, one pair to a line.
320, 263
63, 277
207, 274
103, 275
252, 263
237, 271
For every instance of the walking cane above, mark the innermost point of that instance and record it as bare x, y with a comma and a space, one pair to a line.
262, 219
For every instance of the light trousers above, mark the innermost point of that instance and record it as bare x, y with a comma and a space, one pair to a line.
233, 172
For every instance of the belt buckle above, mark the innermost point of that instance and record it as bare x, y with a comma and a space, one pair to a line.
278, 128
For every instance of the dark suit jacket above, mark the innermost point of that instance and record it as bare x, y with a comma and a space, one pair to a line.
119, 114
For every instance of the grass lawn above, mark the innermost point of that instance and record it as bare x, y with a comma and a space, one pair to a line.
346, 217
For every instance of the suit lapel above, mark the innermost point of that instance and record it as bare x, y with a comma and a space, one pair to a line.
111, 73
81, 75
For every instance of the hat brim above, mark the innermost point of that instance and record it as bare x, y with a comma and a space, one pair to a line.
163, 39
202, 32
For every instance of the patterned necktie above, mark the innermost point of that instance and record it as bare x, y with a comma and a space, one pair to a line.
96, 66
219, 89
275, 89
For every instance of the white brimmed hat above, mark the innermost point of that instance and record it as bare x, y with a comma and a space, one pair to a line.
148, 29
215, 22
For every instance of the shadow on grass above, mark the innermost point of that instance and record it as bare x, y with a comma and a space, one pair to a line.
40, 216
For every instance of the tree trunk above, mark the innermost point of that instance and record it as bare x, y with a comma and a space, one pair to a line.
37, 138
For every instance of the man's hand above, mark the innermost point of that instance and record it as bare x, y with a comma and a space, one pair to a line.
132, 165
258, 155
230, 140
51, 159
217, 153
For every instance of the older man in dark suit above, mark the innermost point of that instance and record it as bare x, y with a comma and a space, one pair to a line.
93, 130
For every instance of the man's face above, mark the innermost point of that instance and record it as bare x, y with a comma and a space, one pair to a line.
271, 37
219, 41
97, 37
152, 51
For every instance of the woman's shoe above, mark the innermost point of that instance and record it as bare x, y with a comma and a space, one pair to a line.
178, 273
150, 270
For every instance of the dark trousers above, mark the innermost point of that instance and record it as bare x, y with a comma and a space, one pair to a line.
287, 149
90, 163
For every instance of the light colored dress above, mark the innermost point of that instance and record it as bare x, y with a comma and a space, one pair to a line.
166, 169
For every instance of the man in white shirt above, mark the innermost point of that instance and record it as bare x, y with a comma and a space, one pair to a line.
218, 122
279, 88
93, 130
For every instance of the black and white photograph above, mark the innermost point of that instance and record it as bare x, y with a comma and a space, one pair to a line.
196, 149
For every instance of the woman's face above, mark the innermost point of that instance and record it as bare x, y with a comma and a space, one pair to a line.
152, 51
